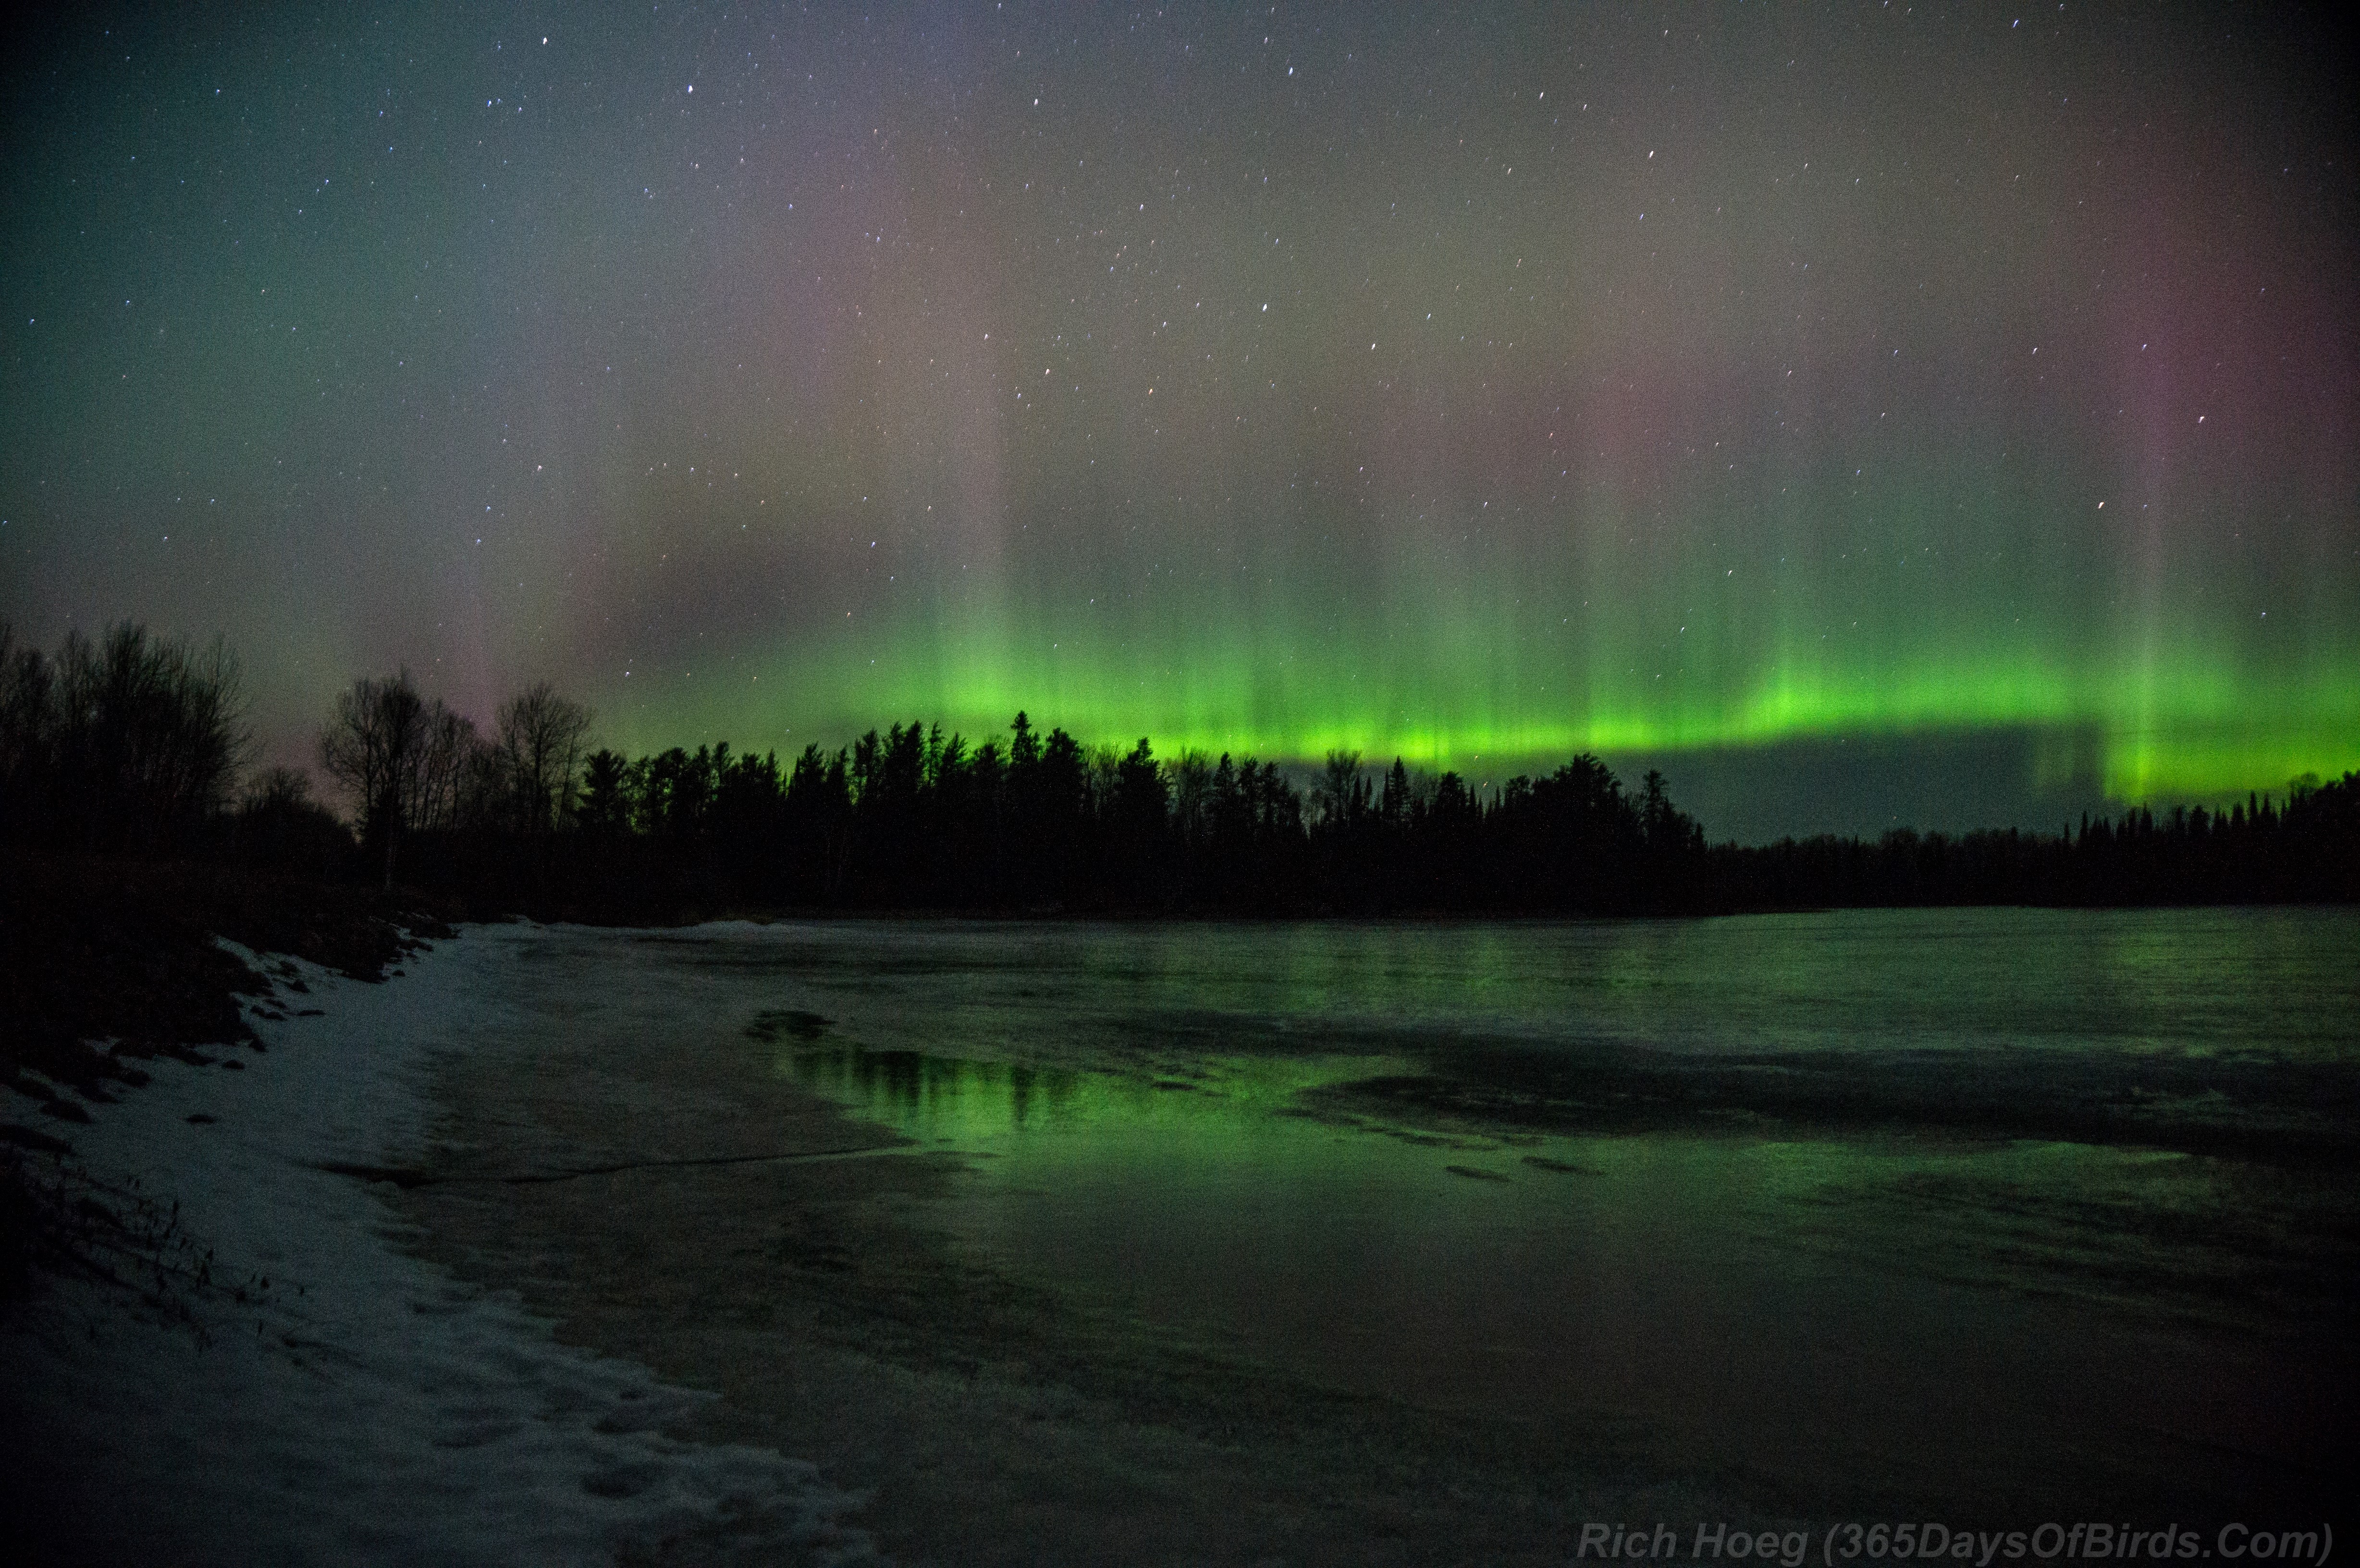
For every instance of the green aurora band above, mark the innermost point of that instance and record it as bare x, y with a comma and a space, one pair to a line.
1573, 637
2158, 722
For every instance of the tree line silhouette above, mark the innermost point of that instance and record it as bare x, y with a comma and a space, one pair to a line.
912, 818
125, 744
133, 744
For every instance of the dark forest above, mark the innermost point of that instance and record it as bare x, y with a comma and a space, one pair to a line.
130, 746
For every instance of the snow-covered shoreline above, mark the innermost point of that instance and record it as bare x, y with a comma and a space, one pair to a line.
329, 1397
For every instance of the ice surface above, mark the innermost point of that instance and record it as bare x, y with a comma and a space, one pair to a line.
335, 1400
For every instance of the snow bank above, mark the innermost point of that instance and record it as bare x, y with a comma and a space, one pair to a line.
334, 1399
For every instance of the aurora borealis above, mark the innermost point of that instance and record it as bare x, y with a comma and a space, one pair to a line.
1714, 386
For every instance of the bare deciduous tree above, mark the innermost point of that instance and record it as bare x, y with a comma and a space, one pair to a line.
412, 765
143, 735
1192, 797
27, 737
1341, 794
374, 747
278, 790
457, 777
541, 736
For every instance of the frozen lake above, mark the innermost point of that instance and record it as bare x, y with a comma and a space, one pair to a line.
1986, 1214
1979, 1206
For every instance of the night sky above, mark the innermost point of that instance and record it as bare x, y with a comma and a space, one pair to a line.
1860, 411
